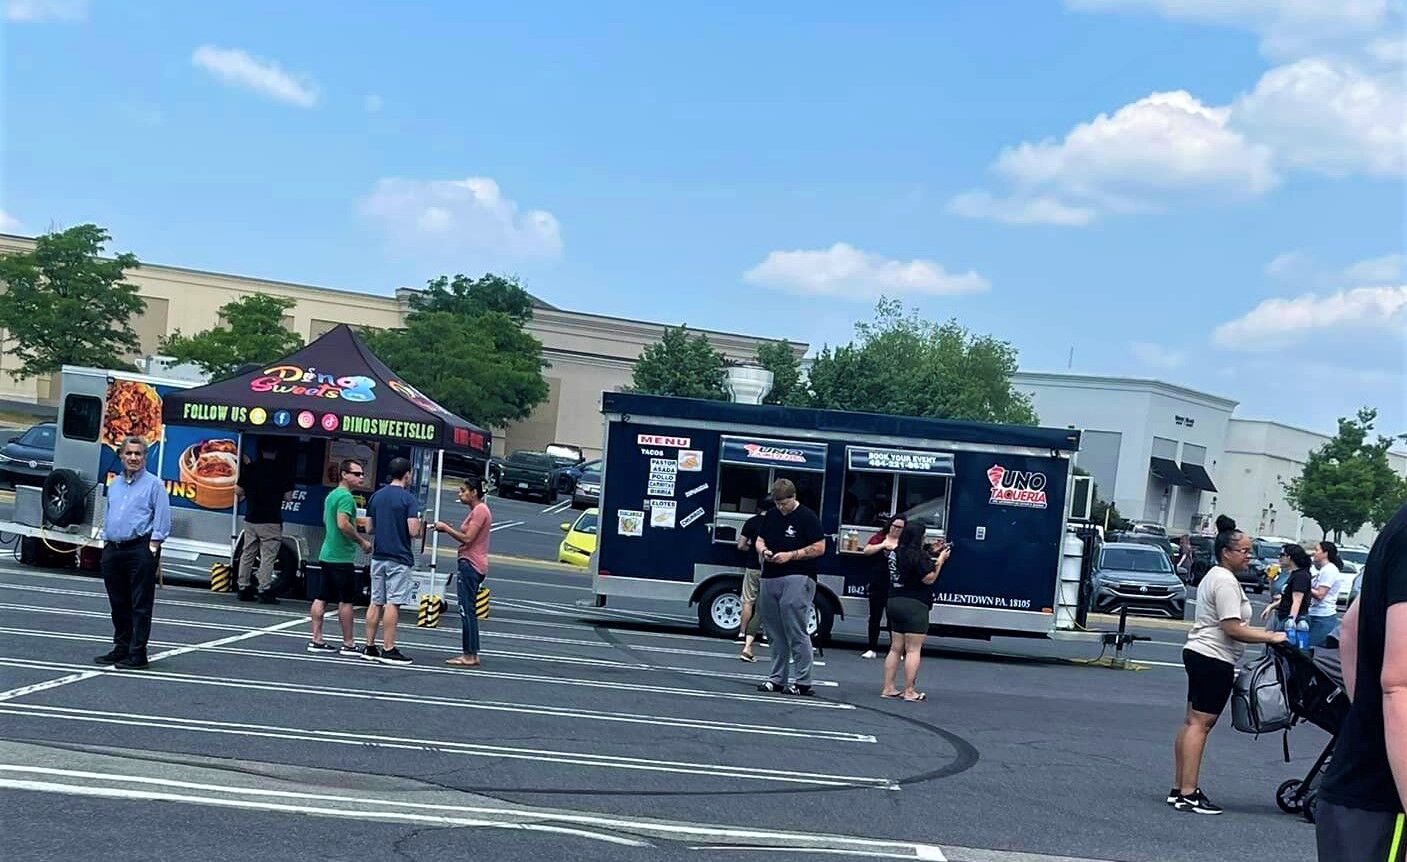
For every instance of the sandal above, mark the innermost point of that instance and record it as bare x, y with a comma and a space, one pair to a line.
747, 657
461, 661
891, 696
920, 697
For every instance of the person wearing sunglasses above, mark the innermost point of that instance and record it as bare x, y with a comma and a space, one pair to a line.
1215, 645
335, 579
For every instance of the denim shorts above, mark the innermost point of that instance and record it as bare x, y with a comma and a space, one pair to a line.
390, 582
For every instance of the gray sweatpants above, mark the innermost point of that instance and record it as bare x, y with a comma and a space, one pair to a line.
785, 602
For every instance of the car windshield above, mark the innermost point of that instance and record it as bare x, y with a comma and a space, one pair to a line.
1267, 550
586, 524
1134, 560
40, 437
569, 454
532, 459
591, 476
1358, 558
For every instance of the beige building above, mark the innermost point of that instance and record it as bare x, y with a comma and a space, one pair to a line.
588, 353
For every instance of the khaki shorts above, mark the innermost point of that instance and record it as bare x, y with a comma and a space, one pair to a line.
752, 584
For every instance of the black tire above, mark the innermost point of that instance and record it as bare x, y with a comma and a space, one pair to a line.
825, 619
720, 609
1288, 798
63, 498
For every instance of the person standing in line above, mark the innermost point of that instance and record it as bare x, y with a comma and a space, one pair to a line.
885, 544
138, 520
910, 603
263, 487
751, 623
1324, 592
473, 565
1216, 643
395, 520
1284, 609
1360, 813
335, 579
790, 540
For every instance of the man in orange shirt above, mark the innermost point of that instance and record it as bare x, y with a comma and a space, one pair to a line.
473, 539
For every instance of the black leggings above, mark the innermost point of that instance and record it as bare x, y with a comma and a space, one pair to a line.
879, 599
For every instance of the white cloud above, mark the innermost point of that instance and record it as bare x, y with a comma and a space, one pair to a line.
1266, 326
373, 103
1300, 268
1290, 265
1042, 209
1161, 147
8, 223
1287, 27
845, 271
240, 69
460, 215
1329, 115
1376, 271
35, 11
1156, 355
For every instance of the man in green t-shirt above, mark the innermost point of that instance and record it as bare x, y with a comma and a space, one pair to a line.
335, 578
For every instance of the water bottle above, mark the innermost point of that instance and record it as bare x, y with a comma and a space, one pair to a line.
1302, 633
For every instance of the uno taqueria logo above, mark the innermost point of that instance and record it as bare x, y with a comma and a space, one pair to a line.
309, 382
1017, 487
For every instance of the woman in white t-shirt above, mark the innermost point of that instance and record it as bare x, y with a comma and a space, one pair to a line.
1324, 592
1215, 645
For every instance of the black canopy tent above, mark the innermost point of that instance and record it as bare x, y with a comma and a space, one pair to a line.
332, 387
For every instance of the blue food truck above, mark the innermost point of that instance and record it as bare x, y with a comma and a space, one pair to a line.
681, 476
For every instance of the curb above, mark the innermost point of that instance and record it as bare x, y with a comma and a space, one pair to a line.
1143, 622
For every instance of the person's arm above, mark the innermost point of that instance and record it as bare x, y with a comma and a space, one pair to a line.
349, 529
1296, 601
1348, 650
938, 564
1239, 631
161, 515
1394, 679
413, 523
810, 552
1320, 591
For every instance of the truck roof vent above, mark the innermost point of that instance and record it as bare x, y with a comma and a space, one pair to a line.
748, 384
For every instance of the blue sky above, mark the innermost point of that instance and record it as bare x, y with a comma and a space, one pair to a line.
1208, 192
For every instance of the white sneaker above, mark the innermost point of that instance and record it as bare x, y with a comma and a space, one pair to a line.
869, 653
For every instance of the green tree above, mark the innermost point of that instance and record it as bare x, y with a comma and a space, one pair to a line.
252, 332
63, 304
779, 358
1348, 481
903, 364
1393, 498
680, 364
465, 344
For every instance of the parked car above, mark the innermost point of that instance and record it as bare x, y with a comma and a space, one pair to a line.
568, 460
1150, 540
1354, 557
580, 542
1150, 528
28, 458
1201, 558
1139, 577
587, 492
525, 474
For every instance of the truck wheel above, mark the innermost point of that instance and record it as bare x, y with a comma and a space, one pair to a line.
63, 498
721, 610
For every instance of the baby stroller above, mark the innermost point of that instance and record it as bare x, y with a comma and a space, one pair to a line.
1314, 693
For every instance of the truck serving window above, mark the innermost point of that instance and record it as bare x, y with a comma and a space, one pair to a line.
83, 417
747, 468
880, 481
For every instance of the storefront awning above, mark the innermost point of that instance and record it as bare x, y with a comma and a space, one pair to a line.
873, 460
1167, 470
1197, 477
788, 454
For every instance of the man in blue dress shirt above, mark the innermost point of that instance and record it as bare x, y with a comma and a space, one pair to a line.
138, 520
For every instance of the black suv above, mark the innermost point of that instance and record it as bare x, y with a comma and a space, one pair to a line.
525, 474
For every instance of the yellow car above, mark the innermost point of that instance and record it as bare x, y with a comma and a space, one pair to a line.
580, 542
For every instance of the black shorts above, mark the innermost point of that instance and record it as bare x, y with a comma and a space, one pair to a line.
333, 582
907, 616
1208, 681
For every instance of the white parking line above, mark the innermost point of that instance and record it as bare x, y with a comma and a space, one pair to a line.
505, 525
454, 702
749, 772
775, 700
557, 507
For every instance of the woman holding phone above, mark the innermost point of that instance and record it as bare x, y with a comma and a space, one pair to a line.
885, 544
910, 601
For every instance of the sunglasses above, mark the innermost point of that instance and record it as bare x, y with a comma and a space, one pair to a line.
355, 473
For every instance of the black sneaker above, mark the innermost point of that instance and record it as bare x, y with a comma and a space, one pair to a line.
1173, 795
393, 656
110, 657
321, 648
267, 597
246, 594
1197, 802
132, 661
370, 652
800, 690
350, 650
770, 687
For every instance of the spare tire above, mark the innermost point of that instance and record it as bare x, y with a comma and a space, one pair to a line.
63, 498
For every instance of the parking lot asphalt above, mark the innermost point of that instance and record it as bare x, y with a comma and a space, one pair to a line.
615, 733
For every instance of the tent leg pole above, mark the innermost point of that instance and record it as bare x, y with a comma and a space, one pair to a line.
435, 536
234, 507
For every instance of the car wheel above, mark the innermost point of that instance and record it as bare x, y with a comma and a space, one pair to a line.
721, 609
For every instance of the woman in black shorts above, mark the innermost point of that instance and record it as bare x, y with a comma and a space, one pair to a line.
1215, 645
910, 600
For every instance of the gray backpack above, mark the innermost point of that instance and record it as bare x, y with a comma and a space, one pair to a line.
1258, 702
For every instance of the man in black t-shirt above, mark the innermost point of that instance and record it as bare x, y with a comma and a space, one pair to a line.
1359, 815
789, 541
263, 486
